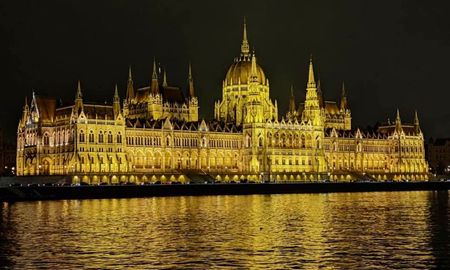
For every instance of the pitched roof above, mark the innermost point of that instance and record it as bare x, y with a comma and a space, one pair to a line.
46, 107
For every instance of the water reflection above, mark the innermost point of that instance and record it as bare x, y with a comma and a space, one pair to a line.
341, 231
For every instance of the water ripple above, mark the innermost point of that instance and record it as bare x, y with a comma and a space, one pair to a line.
386, 230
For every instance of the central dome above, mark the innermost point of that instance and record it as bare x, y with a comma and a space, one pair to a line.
239, 72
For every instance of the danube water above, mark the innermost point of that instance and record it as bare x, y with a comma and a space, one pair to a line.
380, 230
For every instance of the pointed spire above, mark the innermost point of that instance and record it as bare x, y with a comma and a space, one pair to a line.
416, 122
78, 107
191, 82
116, 101
254, 70
398, 121
319, 93
190, 72
416, 118
311, 80
245, 47
79, 95
397, 118
130, 87
154, 74
154, 85
292, 101
344, 103
25, 107
116, 93
165, 79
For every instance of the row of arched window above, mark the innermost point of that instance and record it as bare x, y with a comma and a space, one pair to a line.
102, 137
144, 141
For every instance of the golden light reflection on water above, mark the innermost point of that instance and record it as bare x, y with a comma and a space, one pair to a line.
330, 231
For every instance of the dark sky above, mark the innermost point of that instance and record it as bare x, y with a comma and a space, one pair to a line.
389, 53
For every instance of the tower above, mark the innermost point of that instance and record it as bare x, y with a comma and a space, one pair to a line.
312, 113
191, 83
312, 110
344, 102
398, 123
165, 79
320, 94
416, 123
345, 110
130, 87
26, 112
116, 102
154, 85
193, 101
78, 107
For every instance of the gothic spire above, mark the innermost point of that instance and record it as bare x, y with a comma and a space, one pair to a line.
116, 101
319, 93
311, 80
130, 87
154, 74
165, 79
416, 122
79, 95
78, 107
245, 47
116, 94
25, 107
253, 70
344, 103
292, 101
154, 86
191, 82
398, 121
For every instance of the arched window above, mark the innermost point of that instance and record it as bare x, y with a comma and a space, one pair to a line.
100, 137
260, 141
91, 136
81, 136
110, 137
302, 141
46, 139
119, 138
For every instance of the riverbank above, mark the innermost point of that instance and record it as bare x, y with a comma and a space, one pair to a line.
31, 193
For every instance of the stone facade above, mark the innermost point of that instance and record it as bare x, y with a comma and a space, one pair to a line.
156, 136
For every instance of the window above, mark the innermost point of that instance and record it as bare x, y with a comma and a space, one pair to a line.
119, 138
46, 139
91, 136
81, 136
110, 137
100, 137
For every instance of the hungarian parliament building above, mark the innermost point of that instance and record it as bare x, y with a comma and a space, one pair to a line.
155, 134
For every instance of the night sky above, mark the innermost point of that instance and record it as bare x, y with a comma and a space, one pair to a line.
389, 53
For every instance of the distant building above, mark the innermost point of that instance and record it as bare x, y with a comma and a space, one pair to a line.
439, 155
7, 156
156, 135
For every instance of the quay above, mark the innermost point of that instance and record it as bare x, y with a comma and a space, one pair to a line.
68, 192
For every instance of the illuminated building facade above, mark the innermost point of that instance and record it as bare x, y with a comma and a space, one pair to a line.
439, 155
156, 135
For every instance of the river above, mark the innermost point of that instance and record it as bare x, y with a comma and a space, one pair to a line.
378, 230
